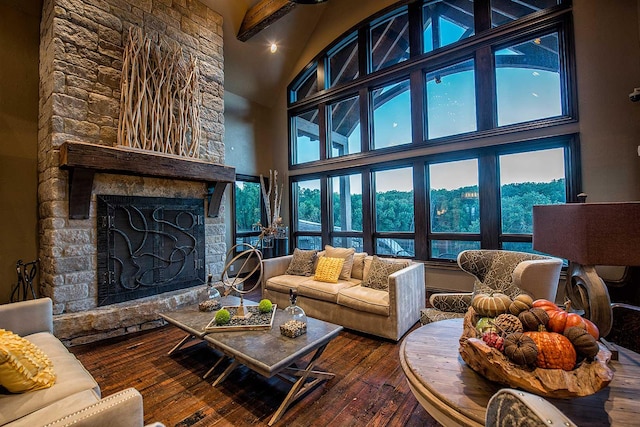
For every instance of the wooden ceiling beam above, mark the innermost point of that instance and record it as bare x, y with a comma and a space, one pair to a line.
263, 14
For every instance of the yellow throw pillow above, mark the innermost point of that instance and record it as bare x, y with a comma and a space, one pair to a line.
23, 366
347, 254
328, 269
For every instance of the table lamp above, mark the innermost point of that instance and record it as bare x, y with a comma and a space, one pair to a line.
589, 234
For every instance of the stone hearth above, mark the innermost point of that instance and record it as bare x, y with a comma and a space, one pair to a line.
80, 71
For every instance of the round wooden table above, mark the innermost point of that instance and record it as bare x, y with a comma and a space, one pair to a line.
455, 395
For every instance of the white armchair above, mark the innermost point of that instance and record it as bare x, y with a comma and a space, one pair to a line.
509, 272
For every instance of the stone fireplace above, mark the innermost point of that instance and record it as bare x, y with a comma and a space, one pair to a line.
81, 45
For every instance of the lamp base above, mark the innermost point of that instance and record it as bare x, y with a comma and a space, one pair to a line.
587, 291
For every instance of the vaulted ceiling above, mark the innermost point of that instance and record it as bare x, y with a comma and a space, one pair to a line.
250, 69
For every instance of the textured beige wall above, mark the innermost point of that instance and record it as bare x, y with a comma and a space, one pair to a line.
19, 35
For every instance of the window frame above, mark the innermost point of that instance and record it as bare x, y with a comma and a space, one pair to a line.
483, 143
263, 213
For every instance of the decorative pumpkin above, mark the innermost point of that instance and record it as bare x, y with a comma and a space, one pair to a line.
485, 324
520, 349
545, 304
592, 328
492, 339
491, 305
520, 303
533, 318
555, 351
584, 343
560, 320
508, 323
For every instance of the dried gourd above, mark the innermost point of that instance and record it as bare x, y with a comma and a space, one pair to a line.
584, 343
520, 349
508, 323
491, 305
520, 303
533, 318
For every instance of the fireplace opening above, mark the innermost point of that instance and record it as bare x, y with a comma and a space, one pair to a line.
148, 246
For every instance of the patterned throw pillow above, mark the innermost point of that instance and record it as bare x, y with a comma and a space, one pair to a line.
301, 263
347, 254
378, 275
23, 366
328, 269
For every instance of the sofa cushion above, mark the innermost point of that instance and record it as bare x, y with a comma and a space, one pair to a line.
328, 269
302, 262
23, 365
285, 282
346, 254
365, 299
58, 409
378, 274
357, 271
322, 290
72, 378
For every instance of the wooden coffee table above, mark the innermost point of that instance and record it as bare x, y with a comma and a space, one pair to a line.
455, 395
266, 352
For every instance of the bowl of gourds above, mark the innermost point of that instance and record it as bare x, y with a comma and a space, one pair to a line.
534, 345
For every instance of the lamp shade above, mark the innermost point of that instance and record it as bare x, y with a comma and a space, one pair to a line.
589, 233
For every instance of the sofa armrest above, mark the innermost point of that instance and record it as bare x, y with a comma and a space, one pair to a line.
272, 267
457, 302
538, 277
407, 295
122, 409
27, 317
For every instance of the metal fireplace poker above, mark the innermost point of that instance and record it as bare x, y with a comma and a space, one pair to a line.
26, 273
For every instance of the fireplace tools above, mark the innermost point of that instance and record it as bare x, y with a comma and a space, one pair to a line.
26, 273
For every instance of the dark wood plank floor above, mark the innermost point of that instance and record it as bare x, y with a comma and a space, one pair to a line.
369, 387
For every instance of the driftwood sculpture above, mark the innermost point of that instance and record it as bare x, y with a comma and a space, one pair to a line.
160, 98
586, 379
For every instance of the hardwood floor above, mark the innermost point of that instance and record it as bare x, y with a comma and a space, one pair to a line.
369, 387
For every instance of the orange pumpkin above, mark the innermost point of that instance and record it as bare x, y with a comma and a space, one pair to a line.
555, 351
545, 304
592, 328
560, 320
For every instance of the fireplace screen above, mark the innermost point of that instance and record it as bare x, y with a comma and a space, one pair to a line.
147, 246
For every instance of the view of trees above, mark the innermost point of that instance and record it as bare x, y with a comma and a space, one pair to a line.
455, 210
248, 199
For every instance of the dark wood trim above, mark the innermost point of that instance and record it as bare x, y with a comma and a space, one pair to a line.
482, 15
81, 158
263, 14
489, 201
367, 210
420, 209
485, 89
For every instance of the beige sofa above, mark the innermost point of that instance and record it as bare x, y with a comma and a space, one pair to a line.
75, 398
388, 314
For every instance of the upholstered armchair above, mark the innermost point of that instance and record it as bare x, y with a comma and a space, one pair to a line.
510, 407
509, 272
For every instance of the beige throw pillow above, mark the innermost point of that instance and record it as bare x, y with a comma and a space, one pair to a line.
344, 253
302, 263
378, 274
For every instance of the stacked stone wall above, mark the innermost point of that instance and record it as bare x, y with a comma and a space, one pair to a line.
80, 72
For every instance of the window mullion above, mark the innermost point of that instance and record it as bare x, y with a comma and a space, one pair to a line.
482, 15
489, 201
420, 210
367, 211
417, 91
485, 88
415, 29
325, 211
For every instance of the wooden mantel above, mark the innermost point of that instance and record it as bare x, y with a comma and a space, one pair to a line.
83, 160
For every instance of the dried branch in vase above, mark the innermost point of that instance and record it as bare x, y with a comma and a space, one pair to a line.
272, 204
